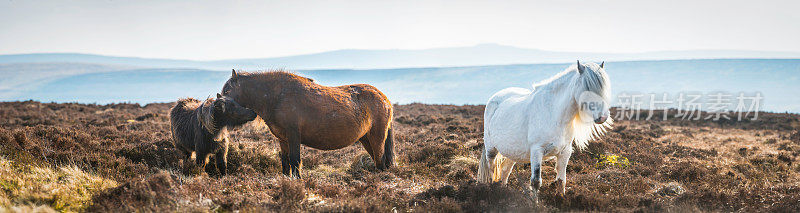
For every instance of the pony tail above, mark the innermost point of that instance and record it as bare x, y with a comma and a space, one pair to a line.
484, 173
489, 169
388, 149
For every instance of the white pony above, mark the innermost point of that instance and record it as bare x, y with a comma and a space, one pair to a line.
526, 126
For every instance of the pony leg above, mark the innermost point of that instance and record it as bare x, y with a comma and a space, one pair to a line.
203, 152
506, 167
365, 143
222, 158
486, 164
284, 154
294, 155
377, 139
561, 170
536, 174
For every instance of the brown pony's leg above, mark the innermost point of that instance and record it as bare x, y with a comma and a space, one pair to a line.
294, 154
285, 157
365, 143
377, 137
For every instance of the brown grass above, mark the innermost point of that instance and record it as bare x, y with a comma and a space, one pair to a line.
673, 165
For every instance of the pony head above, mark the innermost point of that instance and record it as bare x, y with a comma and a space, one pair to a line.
592, 93
232, 87
217, 114
230, 113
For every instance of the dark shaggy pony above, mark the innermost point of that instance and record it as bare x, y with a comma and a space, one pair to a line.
199, 130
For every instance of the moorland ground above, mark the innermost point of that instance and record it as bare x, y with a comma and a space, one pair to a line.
119, 157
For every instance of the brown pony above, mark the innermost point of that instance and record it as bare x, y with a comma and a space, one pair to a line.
299, 111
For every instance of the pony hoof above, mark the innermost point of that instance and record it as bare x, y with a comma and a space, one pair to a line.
532, 195
534, 200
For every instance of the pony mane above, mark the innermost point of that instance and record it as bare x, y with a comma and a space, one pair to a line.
206, 116
276, 74
592, 79
186, 101
583, 132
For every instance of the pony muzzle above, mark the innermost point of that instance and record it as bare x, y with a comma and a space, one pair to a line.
601, 119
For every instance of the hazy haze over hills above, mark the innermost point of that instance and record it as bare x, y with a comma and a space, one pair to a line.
458, 75
484, 54
776, 79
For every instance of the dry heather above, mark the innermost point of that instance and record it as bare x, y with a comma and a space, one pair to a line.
119, 158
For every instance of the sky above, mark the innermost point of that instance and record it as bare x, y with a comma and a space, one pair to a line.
212, 30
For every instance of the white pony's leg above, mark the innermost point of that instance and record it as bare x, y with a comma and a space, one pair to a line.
536, 173
561, 170
505, 171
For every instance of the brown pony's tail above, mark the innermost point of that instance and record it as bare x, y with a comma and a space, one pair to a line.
388, 149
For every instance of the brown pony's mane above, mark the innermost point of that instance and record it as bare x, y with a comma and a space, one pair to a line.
273, 75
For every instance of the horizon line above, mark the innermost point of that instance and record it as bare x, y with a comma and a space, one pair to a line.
394, 49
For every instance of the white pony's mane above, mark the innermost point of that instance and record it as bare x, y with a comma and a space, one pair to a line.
593, 79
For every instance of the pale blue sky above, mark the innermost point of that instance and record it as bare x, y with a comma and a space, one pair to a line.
251, 29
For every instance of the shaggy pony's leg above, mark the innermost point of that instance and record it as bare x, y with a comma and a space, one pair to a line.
506, 167
222, 158
561, 170
203, 151
536, 173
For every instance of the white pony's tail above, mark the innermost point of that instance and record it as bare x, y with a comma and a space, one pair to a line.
484, 168
489, 170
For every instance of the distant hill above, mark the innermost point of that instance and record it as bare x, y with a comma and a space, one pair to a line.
776, 79
485, 54
16, 79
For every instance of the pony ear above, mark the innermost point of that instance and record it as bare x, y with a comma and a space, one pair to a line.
233, 74
601, 64
580, 67
219, 96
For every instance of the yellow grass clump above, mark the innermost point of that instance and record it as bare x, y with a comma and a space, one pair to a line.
66, 189
607, 161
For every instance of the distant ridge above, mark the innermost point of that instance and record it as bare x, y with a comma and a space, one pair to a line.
478, 55
93, 83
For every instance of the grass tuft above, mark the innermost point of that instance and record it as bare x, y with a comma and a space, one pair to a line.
612, 161
66, 189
